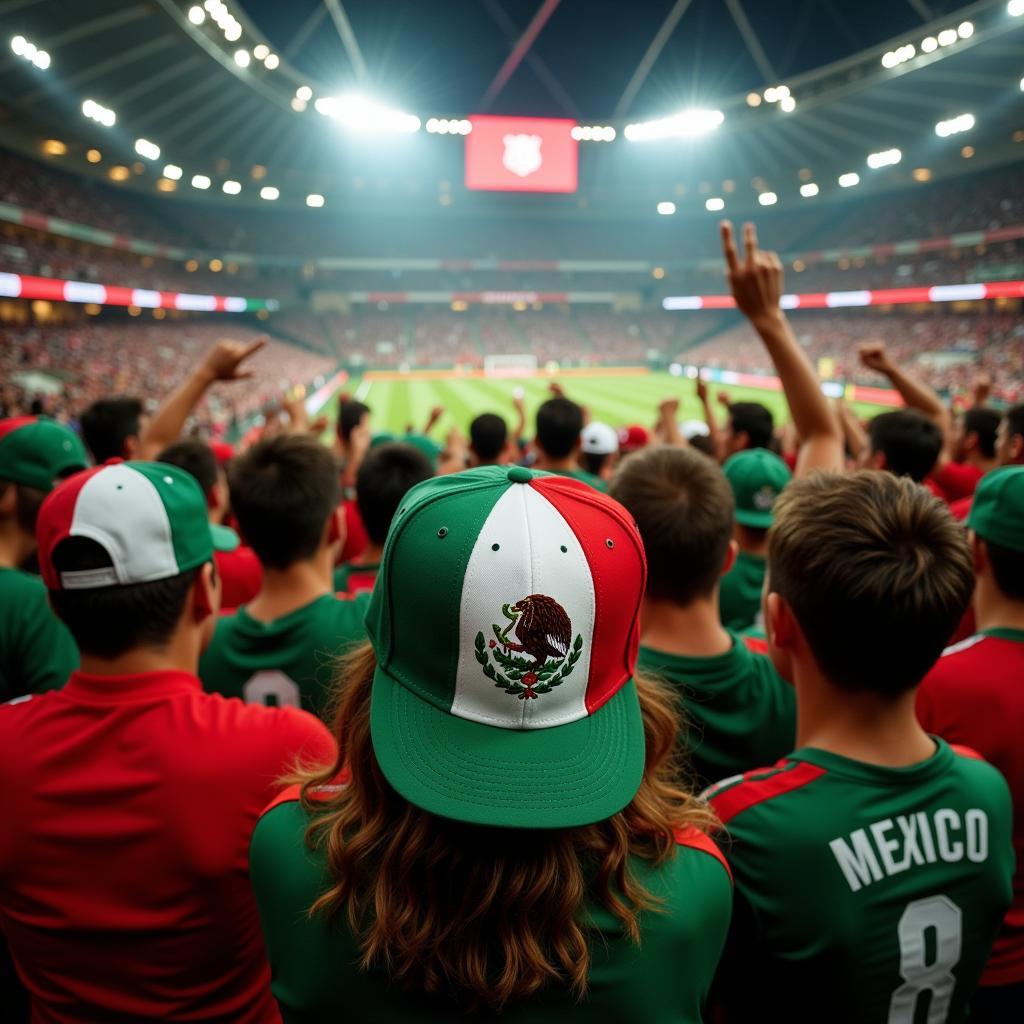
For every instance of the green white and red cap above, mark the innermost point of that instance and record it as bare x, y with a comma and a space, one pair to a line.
505, 624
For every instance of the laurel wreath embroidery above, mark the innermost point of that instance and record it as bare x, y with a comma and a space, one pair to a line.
517, 676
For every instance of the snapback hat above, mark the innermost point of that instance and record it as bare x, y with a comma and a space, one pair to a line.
505, 625
599, 439
149, 517
997, 511
757, 478
37, 451
633, 437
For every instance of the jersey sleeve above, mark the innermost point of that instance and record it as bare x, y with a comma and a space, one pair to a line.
311, 741
45, 654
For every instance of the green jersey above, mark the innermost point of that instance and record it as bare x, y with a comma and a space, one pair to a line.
314, 965
739, 595
588, 478
36, 650
864, 895
741, 712
288, 662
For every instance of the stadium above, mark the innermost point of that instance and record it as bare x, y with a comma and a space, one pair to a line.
332, 332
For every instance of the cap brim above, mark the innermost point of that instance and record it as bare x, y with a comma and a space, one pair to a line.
760, 520
558, 777
224, 538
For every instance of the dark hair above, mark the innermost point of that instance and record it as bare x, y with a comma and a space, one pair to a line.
870, 555
27, 502
984, 423
594, 463
488, 434
559, 422
282, 492
194, 457
383, 480
108, 621
909, 440
1014, 417
683, 507
754, 420
702, 443
350, 413
108, 423
1007, 569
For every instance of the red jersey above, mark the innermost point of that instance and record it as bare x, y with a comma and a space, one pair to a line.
961, 508
957, 480
975, 696
241, 576
356, 538
124, 887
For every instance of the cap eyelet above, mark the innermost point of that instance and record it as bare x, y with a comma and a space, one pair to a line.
495, 547
564, 549
443, 532
609, 543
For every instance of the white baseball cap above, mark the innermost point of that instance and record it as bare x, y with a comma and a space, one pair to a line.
693, 428
599, 439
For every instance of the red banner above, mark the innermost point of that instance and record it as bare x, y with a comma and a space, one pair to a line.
521, 154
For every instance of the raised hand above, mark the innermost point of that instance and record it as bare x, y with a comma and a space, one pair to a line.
875, 356
756, 279
224, 360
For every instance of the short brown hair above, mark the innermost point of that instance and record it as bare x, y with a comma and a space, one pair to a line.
683, 507
877, 573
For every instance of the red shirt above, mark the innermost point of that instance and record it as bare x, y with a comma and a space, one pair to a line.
975, 696
356, 538
124, 885
961, 508
241, 576
957, 480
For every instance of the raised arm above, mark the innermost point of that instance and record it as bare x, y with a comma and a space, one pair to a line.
715, 435
756, 283
668, 423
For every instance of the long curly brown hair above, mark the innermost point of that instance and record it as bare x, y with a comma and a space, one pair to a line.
484, 916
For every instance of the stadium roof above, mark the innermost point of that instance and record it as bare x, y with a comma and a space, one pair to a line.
215, 87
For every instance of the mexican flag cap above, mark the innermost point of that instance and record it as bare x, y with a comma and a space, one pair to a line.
149, 517
757, 478
37, 451
505, 624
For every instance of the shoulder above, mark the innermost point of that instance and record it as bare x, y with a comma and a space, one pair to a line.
976, 771
256, 727
21, 591
691, 838
755, 789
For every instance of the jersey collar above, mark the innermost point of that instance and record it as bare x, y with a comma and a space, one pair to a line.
140, 687
880, 775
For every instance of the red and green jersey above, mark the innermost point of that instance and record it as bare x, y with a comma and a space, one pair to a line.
289, 662
314, 965
864, 894
36, 650
739, 594
741, 712
353, 578
975, 695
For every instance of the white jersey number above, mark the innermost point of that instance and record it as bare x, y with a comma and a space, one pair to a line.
940, 916
272, 688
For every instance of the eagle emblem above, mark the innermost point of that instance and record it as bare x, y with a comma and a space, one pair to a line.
533, 651
522, 154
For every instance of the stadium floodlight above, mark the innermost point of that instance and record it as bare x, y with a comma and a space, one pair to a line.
196, 15
1015, 8
271, 61
18, 44
965, 29
947, 37
99, 113
41, 60
150, 150
753, 99
200, 181
213, 6
172, 171
298, 105
714, 204
260, 52
269, 192
233, 32
884, 158
242, 58
929, 44
787, 104
685, 124
231, 188
771, 95
304, 93
666, 209
314, 199
363, 115
849, 179
954, 125
809, 191
767, 198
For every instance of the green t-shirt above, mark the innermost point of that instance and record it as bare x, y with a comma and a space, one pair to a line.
739, 595
741, 713
288, 662
36, 650
316, 979
588, 478
864, 894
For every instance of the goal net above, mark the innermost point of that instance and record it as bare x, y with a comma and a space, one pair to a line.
510, 365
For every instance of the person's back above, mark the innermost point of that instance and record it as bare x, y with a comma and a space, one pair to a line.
124, 890
873, 864
974, 696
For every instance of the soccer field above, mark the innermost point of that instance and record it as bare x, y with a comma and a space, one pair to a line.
400, 402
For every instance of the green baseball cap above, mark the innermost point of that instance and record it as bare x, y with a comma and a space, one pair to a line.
757, 478
427, 445
997, 511
37, 451
506, 630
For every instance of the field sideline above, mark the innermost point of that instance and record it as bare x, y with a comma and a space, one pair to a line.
398, 403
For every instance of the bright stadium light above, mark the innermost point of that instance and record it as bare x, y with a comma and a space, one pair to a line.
885, 158
714, 204
271, 61
929, 44
99, 113
304, 93
196, 15
242, 58
954, 125
150, 150
200, 181
260, 52
41, 60
172, 171
947, 37
849, 180
298, 105
233, 33
666, 209
269, 192
314, 199
767, 198
787, 104
18, 44
231, 188
965, 29
809, 191
1015, 8
686, 124
360, 114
